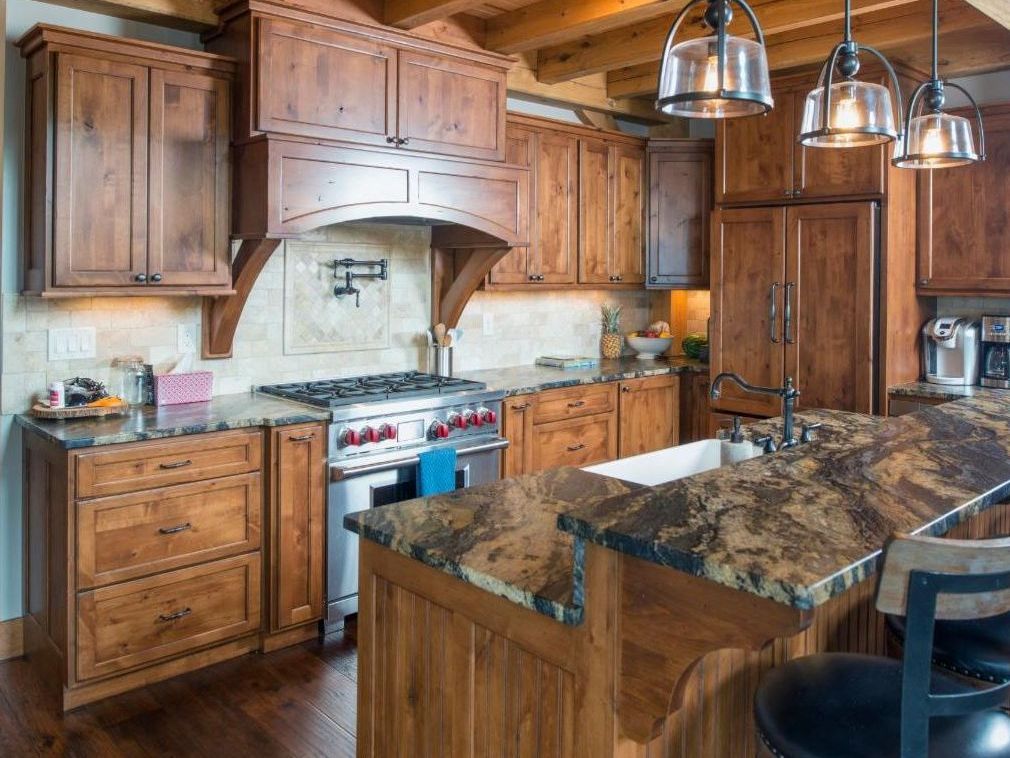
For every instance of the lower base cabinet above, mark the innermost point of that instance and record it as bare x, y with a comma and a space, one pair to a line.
593, 423
146, 560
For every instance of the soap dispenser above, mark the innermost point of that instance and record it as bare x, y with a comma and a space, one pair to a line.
735, 449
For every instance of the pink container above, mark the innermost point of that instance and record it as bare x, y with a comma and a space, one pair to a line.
176, 389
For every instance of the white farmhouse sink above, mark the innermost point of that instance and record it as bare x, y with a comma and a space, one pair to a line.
673, 463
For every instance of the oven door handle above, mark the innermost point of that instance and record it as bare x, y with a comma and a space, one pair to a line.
339, 473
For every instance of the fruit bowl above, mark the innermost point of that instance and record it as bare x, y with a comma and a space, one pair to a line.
648, 348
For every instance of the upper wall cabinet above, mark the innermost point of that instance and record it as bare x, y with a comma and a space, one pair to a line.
964, 221
127, 167
587, 219
759, 160
327, 79
680, 201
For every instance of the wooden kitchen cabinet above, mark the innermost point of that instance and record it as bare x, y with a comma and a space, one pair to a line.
553, 254
575, 442
297, 523
680, 205
517, 428
153, 122
963, 235
694, 407
649, 414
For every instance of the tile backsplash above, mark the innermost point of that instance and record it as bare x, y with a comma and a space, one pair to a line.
972, 307
294, 328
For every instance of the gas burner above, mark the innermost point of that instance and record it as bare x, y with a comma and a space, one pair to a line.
332, 393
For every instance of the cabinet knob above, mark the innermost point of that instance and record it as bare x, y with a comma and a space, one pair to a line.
404, 141
924, 281
797, 193
140, 278
390, 140
653, 278
788, 193
156, 278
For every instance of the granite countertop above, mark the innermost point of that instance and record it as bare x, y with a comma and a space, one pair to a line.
503, 537
943, 391
149, 422
521, 380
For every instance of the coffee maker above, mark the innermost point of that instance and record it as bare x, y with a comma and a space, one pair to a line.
950, 350
996, 351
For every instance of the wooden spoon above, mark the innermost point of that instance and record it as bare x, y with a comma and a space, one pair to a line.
440, 334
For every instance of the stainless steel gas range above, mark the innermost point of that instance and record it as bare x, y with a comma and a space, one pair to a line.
379, 426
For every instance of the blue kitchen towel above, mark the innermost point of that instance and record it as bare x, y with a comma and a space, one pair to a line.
436, 472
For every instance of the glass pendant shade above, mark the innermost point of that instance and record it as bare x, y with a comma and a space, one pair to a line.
689, 79
938, 140
861, 114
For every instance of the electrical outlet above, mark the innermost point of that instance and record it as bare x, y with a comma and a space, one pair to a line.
186, 339
488, 325
72, 344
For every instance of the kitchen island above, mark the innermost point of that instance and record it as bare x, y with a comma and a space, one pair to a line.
570, 614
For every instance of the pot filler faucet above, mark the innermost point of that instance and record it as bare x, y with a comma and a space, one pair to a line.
787, 392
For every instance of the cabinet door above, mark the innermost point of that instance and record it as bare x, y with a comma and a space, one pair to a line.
628, 249
556, 207
754, 156
748, 271
451, 107
828, 172
596, 213
190, 179
649, 415
680, 201
574, 442
517, 428
828, 329
514, 267
297, 524
964, 237
100, 235
316, 82
694, 411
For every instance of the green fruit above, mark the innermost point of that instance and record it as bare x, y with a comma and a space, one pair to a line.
693, 344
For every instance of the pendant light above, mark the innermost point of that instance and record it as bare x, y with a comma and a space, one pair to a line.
851, 113
935, 139
716, 76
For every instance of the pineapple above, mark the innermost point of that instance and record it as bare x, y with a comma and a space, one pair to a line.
611, 341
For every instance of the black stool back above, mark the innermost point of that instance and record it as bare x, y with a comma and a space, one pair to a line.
927, 579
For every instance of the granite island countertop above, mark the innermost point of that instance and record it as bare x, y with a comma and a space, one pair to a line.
946, 392
522, 380
503, 537
147, 422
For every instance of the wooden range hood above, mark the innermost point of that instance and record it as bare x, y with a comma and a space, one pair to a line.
286, 185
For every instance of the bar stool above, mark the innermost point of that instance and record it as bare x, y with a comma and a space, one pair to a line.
979, 649
834, 705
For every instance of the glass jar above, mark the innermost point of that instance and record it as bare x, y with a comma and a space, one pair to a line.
130, 372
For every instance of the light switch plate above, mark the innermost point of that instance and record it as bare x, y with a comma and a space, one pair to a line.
72, 344
488, 325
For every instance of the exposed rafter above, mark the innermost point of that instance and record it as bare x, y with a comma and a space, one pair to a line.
410, 14
552, 22
193, 15
997, 10
643, 43
905, 32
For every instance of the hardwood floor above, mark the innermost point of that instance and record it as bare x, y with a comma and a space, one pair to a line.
295, 702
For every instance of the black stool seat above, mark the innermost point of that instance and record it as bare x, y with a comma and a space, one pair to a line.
979, 648
842, 705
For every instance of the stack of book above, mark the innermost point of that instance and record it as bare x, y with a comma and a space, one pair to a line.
567, 361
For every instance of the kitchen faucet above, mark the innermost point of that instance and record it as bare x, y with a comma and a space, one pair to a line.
787, 392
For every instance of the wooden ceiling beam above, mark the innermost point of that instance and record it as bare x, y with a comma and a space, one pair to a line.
643, 43
905, 37
997, 10
191, 15
410, 14
553, 22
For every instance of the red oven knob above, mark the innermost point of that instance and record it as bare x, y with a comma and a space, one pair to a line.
372, 435
458, 420
351, 437
388, 432
489, 416
474, 419
439, 430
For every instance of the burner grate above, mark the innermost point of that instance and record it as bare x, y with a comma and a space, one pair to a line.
331, 393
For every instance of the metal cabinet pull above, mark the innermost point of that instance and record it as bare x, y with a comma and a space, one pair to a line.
175, 529
773, 313
177, 464
787, 317
302, 438
577, 404
576, 448
625, 389
166, 617
520, 408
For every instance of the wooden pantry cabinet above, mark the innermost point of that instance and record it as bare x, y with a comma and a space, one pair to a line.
127, 167
145, 560
589, 424
587, 208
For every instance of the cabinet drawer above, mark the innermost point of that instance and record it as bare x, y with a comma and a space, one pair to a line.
128, 536
575, 442
556, 405
142, 621
154, 464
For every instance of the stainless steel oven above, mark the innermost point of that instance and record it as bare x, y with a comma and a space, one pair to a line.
359, 485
